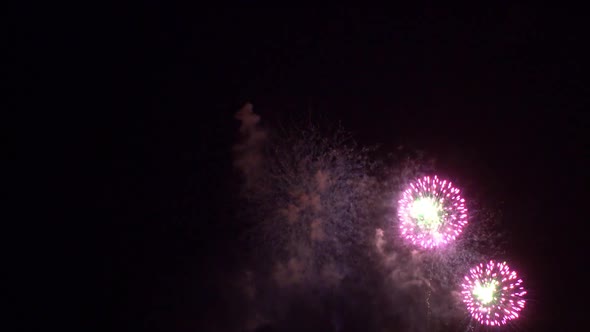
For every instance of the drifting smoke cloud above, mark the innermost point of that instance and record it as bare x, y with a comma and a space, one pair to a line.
248, 151
309, 198
323, 223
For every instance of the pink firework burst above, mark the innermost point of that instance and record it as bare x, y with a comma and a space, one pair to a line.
493, 294
431, 212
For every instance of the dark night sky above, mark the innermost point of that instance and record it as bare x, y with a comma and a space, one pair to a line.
496, 94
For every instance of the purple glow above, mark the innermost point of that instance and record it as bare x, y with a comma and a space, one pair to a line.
431, 212
493, 294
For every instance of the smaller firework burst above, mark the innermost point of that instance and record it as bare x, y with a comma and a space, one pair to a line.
431, 212
493, 294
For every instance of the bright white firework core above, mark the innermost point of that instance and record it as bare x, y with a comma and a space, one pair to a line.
484, 292
427, 212
431, 212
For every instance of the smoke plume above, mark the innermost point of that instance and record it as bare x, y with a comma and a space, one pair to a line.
248, 156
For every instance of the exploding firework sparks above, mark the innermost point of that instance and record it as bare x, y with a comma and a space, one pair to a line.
431, 212
493, 294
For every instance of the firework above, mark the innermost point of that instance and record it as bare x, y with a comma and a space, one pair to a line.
431, 212
493, 294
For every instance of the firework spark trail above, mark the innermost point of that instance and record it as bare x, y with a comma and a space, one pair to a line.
431, 212
493, 294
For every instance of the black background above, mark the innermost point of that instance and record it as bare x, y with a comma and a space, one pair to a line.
496, 94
